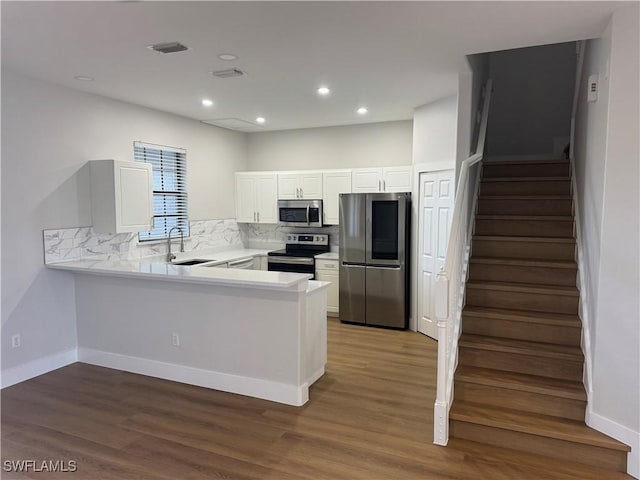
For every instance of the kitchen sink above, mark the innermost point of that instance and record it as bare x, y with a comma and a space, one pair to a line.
194, 261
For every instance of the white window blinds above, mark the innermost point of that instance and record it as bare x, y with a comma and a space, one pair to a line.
169, 188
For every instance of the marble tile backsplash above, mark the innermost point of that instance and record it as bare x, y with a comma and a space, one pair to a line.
257, 234
83, 243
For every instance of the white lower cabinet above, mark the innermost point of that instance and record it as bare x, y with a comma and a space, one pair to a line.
327, 271
262, 262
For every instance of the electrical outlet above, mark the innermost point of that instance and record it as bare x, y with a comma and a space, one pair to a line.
175, 339
16, 341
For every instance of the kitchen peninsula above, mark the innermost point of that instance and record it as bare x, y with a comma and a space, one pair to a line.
251, 332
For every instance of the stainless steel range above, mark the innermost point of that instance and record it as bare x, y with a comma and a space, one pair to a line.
297, 256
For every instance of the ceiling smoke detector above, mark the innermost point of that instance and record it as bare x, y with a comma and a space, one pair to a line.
171, 47
232, 72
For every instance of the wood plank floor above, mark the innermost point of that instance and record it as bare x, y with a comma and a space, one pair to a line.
370, 417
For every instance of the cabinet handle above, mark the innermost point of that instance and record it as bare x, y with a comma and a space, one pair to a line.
379, 185
258, 217
254, 216
384, 185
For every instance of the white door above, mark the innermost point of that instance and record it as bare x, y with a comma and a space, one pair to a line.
435, 211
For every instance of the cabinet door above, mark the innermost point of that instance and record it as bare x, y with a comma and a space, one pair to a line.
133, 196
311, 185
288, 186
397, 179
333, 184
365, 180
267, 198
245, 198
332, 290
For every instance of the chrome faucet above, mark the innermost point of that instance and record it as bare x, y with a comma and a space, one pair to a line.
171, 256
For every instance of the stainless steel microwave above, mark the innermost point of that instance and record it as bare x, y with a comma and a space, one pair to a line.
300, 213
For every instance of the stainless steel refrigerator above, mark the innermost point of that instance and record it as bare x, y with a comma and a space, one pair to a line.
374, 258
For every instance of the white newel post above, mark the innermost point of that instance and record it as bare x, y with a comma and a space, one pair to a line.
441, 407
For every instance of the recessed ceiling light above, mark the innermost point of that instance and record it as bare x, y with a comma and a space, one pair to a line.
323, 91
84, 78
362, 111
206, 102
227, 56
260, 120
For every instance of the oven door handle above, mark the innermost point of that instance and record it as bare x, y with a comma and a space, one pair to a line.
291, 260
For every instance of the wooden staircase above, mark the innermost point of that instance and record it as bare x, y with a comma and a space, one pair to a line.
518, 383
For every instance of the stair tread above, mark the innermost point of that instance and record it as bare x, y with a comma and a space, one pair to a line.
544, 318
525, 262
557, 468
521, 382
524, 288
511, 238
534, 424
525, 162
526, 179
511, 196
521, 347
550, 218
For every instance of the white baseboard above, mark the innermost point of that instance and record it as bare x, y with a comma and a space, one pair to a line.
253, 387
38, 367
620, 433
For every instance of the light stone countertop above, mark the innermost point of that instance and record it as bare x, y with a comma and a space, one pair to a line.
154, 268
328, 256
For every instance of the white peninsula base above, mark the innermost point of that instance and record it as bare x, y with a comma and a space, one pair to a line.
265, 343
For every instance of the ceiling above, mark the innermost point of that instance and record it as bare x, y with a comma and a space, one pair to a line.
387, 56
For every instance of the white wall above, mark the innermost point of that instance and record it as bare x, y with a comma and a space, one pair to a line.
350, 146
532, 99
435, 127
48, 134
607, 167
589, 152
470, 85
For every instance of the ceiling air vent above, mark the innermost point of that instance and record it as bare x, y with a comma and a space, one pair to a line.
232, 72
172, 47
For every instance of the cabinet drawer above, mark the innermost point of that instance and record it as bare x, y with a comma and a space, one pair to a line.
327, 265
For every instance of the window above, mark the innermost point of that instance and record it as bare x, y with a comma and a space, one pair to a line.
169, 188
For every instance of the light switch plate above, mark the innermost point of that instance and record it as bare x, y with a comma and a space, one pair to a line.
592, 85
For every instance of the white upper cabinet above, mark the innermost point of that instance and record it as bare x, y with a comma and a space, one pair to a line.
366, 180
397, 179
300, 185
121, 196
384, 179
256, 197
334, 183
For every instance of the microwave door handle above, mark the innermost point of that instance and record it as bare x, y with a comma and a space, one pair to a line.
308, 214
